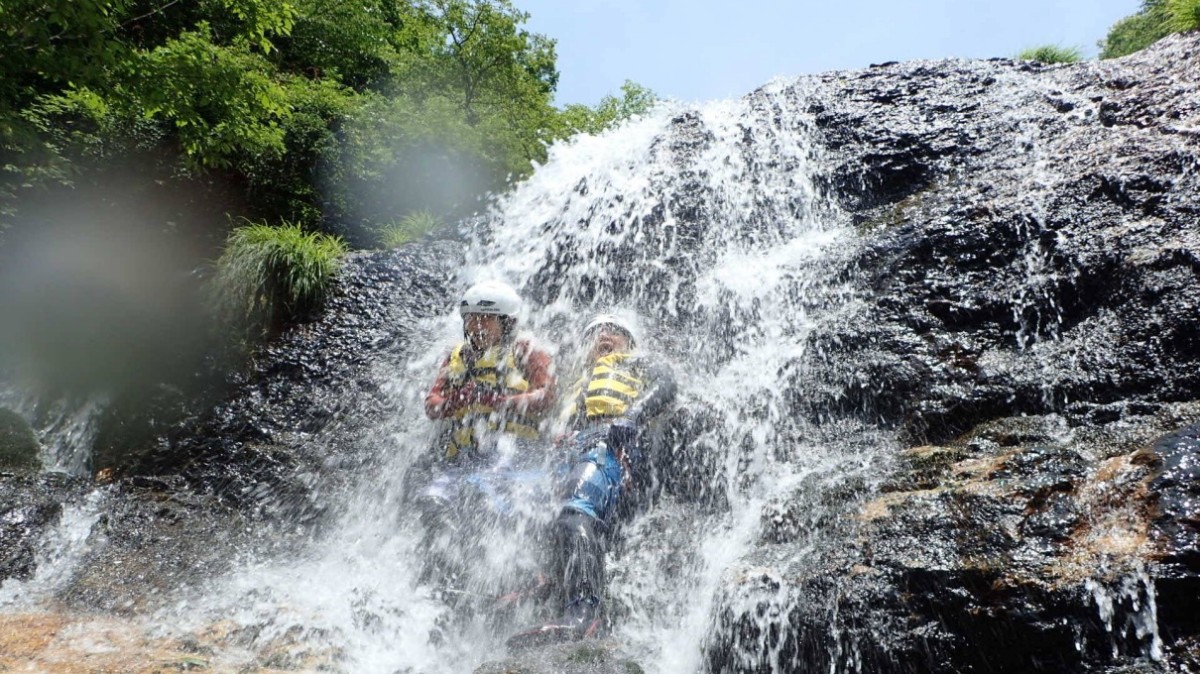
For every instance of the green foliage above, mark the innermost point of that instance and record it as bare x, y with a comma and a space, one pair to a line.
1052, 54
635, 100
1136, 32
333, 114
325, 112
220, 101
1183, 15
269, 276
410, 227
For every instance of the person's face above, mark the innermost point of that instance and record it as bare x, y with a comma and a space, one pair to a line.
483, 330
604, 341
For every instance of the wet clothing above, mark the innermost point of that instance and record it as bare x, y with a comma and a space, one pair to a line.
506, 388
619, 385
594, 485
611, 402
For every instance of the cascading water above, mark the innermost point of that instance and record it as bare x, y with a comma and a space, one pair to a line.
707, 226
60, 553
66, 426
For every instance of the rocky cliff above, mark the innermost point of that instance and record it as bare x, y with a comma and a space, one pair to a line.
1032, 252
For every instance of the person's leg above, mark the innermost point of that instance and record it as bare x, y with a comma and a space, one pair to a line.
589, 496
579, 544
591, 493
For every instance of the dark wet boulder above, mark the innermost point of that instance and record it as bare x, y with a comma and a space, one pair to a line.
287, 430
19, 446
1025, 545
583, 657
152, 539
1029, 241
1176, 487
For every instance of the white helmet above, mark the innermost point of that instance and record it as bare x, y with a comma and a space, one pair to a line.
611, 320
490, 297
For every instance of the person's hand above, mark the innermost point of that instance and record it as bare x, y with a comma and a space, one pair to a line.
460, 398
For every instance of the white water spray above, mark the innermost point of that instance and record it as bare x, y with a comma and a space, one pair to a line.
62, 548
707, 225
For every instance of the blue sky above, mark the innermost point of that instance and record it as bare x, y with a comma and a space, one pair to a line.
703, 49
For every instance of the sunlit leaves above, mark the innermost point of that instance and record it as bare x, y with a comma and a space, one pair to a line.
1183, 14
1156, 20
634, 100
221, 101
309, 106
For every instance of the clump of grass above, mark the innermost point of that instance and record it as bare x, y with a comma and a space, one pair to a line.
410, 227
269, 276
1052, 53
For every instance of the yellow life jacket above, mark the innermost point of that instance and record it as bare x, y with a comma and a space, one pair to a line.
607, 390
497, 370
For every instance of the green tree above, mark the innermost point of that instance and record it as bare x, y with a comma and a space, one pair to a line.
634, 100
46, 45
337, 114
465, 112
1183, 15
1138, 31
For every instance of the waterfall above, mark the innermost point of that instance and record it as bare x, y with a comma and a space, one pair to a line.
707, 226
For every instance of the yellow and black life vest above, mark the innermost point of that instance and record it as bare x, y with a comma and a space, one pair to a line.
498, 370
608, 389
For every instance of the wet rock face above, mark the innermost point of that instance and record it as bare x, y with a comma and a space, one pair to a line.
1031, 236
1176, 488
278, 440
288, 429
1027, 545
18, 444
584, 657
1029, 262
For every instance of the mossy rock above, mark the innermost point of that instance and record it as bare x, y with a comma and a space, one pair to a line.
19, 446
580, 657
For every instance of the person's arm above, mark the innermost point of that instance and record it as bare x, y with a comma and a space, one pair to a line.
657, 396
538, 369
438, 400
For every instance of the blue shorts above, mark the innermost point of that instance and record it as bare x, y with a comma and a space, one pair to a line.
593, 487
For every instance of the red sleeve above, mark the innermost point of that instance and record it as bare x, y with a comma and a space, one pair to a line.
435, 400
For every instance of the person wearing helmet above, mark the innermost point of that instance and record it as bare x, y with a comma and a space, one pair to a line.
619, 392
491, 382
491, 392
